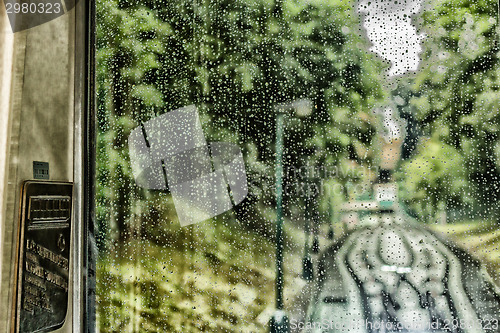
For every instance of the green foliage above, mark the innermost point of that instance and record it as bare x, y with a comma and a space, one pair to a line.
235, 60
456, 95
219, 283
435, 175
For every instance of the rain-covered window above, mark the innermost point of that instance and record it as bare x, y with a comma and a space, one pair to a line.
298, 166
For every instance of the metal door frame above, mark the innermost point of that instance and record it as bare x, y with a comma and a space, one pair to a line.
84, 168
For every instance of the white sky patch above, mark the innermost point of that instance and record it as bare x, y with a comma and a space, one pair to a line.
394, 38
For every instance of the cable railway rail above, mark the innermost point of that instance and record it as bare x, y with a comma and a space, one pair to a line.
399, 277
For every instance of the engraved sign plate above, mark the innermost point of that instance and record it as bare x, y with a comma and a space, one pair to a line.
43, 262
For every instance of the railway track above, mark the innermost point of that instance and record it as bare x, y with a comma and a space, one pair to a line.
400, 278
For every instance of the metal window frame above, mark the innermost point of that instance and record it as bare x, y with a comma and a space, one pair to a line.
84, 168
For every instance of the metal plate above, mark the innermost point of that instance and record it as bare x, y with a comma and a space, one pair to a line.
40, 170
44, 253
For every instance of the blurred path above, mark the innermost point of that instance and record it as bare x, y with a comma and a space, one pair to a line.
394, 277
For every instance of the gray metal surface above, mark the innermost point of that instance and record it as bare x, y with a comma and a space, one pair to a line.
44, 75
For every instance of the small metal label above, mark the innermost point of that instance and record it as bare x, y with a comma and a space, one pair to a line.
44, 252
40, 170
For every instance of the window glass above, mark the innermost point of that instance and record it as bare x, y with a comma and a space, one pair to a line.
286, 165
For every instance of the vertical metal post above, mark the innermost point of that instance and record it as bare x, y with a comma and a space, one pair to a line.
307, 264
279, 210
331, 218
279, 322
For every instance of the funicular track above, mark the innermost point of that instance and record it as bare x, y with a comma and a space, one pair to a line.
400, 278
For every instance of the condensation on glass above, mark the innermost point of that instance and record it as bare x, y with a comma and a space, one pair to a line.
287, 166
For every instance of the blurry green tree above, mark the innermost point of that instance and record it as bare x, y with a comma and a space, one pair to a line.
234, 59
456, 101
